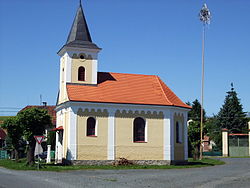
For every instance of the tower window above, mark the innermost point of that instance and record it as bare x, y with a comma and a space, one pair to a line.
81, 56
139, 130
91, 125
81, 74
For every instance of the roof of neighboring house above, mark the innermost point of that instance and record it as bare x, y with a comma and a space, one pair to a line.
51, 111
126, 89
2, 134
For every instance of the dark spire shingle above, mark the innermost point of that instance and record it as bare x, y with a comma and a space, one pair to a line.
79, 35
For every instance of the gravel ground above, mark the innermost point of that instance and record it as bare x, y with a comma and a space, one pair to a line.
235, 173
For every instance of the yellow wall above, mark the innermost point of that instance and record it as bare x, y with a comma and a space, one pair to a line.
65, 133
87, 64
92, 148
125, 147
95, 148
179, 147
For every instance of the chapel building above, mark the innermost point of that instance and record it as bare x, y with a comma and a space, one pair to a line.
104, 116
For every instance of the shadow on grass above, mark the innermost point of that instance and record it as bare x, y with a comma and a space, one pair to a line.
195, 163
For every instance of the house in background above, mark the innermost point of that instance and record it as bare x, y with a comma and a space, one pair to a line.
103, 116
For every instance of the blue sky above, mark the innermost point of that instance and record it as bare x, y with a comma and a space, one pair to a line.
161, 37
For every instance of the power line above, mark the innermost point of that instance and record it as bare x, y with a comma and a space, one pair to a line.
10, 108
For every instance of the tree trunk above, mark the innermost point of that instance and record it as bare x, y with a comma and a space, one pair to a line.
16, 155
31, 151
196, 152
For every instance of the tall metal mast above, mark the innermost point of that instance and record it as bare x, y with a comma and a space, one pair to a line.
205, 17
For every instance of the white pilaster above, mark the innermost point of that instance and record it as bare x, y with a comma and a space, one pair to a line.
166, 136
68, 67
72, 136
225, 142
94, 72
111, 135
185, 136
59, 151
172, 141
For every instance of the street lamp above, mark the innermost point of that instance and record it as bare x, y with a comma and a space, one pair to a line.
205, 17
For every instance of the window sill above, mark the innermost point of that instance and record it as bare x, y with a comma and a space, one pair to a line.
140, 142
91, 136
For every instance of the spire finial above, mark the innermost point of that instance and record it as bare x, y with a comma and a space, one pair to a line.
232, 86
80, 2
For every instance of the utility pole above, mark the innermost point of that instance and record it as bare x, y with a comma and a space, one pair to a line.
205, 17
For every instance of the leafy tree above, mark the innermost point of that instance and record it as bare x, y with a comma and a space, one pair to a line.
33, 122
194, 138
231, 115
214, 131
15, 133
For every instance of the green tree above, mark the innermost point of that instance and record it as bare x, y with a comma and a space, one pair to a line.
51, 140
33, 121
214, 131
194, 116
231, 115
15, 133
194, 138
195, 113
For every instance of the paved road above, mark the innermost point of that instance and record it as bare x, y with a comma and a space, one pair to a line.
235, 173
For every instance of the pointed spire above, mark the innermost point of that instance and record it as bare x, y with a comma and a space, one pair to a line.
79, 35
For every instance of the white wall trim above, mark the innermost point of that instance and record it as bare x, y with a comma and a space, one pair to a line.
111, 135
146, 129
72, 136
166, 136
185, 132
94, 72
68, 67
172, 141
96, 126
117, 106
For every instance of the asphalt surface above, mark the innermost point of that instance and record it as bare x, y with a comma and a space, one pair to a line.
235, 173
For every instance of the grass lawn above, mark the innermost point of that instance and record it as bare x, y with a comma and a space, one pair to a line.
51, 167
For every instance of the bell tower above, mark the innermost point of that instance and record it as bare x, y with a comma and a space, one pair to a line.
79, 56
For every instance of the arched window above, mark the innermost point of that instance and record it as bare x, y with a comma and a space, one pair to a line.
139, 130
81, 74
178, 133
91, 125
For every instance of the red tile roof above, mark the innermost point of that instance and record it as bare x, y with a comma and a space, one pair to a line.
125, 88
51, 111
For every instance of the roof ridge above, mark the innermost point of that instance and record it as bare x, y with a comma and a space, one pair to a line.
130, 73
158, 79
